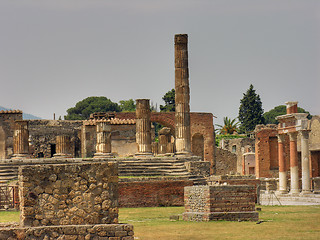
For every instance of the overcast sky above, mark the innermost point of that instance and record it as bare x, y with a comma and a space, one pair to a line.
56, 53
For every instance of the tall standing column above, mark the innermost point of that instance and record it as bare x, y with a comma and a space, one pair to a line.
20, 140
282, 165
143, 127
103, 145
294, 171
305, 162
182, 98
62, 146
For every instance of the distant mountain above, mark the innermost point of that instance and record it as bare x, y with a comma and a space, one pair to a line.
25, 116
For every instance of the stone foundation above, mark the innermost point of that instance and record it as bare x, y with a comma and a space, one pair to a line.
231, 203
100, 231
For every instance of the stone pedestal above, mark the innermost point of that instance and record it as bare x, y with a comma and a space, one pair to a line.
305, 162
143, 127
103, 145
62, 147
182, 97
20, 140
294, 171
282, 165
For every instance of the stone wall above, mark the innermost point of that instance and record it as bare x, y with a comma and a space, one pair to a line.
238, 146
226, 162
43, 135
68, 194
232, 203
7, 119
152, 192
97, 231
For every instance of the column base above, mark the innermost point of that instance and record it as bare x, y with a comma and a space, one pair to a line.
281, 192
294, 192
103, 155
306, 192
20, 156
183, 154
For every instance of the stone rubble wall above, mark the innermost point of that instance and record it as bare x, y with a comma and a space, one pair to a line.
70, 232
205, 203
226, 162
68, 194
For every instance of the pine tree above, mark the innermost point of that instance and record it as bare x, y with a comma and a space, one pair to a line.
250, 111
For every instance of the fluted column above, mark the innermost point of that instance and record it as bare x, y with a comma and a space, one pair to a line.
294, 171
103, 145
182, 97
62, 146
20, 140
305, 162
282, 165
164, 140
143, 127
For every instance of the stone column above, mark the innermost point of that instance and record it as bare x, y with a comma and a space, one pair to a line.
164, 140
282, 165
294, 171
182, 98
62, 147
143, 127
305, 162
20, 140
103, 145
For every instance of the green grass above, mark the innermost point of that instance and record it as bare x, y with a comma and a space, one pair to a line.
279, 222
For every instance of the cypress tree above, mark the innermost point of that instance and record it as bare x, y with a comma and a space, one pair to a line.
250, 111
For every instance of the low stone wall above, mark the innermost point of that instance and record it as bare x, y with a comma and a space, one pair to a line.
232, 203
99, 231
152, 192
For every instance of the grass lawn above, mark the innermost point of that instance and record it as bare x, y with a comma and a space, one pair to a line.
279, 222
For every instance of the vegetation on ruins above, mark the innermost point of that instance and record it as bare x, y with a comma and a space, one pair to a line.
229, 127
89, 105
127, 105
219, 137
169, 100
270, 116
250, 111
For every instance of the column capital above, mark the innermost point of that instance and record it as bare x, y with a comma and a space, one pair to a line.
305, 133
280, 138
293, 136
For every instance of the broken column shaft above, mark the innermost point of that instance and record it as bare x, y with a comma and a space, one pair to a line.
103, 145
182, 98
62, 146
20, 140
143, 127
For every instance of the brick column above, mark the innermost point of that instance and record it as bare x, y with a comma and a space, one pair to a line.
143, 127
103, 145
182, 98
305, 162
292, 107
20, 140
294, 171
62, 147
282, 165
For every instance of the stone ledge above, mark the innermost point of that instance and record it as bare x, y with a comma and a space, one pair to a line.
214, 216
105, 231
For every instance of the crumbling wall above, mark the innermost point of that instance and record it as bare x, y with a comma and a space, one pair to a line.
226, 162
68, 194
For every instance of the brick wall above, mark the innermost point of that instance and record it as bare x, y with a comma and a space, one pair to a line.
152, 192
205, 203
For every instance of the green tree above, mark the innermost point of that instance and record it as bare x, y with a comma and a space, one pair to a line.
250, 111
270, 116
229, 127
169, 100
127, 105
89, 105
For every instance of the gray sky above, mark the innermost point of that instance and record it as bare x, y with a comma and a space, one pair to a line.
55, 53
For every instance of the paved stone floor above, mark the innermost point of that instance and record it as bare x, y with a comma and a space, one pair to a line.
273, 198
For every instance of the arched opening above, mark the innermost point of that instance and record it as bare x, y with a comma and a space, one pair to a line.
197, 145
